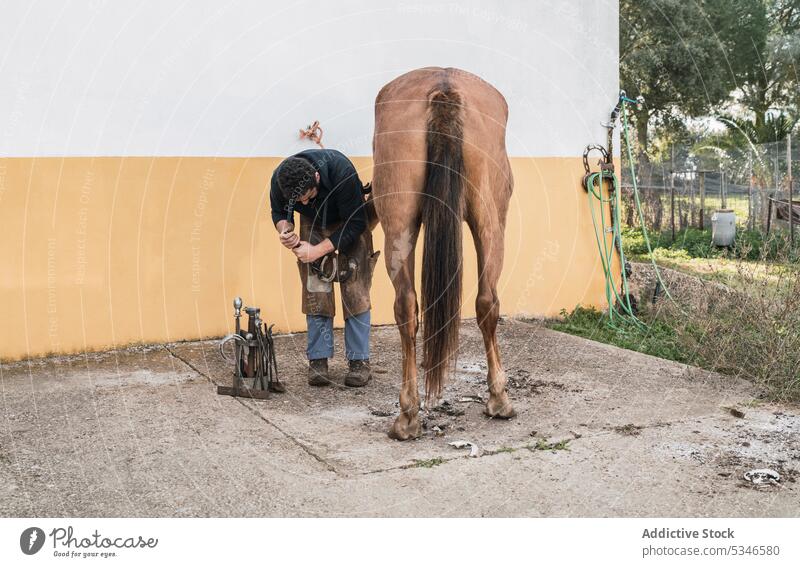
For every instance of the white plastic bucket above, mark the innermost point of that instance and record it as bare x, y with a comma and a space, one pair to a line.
723, 227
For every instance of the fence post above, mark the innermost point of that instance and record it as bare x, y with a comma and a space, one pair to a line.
702, 199
789, 188
672, 203
672, 191
750, 205
769, 214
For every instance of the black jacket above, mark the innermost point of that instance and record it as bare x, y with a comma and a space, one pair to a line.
340, 198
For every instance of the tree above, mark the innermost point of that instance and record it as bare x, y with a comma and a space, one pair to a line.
685, 57
769, 79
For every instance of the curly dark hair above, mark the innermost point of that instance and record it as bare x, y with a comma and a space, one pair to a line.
296, 177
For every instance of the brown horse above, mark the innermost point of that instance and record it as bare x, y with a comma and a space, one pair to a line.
440, 158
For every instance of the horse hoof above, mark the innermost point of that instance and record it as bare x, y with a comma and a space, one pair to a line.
404, 429
500, 408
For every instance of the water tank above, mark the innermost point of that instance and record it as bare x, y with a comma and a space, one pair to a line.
723, 227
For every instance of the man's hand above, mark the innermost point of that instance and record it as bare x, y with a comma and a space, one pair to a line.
307, 252
289, 239
286, 234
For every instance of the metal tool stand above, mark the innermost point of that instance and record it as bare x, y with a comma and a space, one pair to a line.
255, 367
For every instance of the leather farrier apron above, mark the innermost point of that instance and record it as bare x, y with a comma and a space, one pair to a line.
355, 289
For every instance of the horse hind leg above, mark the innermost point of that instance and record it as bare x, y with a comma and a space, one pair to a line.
400, 264
489, 246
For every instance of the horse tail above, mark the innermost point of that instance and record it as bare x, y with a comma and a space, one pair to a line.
442, 213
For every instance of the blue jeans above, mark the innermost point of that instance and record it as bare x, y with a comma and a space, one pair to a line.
356, 336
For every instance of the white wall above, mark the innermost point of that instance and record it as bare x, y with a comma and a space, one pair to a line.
206, 78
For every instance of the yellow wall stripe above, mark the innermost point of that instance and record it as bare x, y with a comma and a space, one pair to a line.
103, 252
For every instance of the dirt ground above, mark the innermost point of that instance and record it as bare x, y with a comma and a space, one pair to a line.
600, 432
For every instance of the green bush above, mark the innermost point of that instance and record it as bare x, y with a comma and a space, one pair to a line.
633, 242
750, 245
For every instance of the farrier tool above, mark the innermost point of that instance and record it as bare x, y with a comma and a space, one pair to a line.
255, 372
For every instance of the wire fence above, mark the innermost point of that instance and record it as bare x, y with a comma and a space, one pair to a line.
692, 182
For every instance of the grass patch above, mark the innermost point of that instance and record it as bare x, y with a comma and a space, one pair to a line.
750, 245
544, 445
427, 463
754, 259
756, 338
658, 339
753, 334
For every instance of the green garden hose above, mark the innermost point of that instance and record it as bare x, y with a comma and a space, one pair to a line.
594, 189
594, 183
638, 202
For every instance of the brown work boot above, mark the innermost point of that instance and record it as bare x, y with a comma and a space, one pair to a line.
318, 372
359, 374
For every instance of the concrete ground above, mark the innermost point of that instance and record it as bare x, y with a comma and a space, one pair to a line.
601, 432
